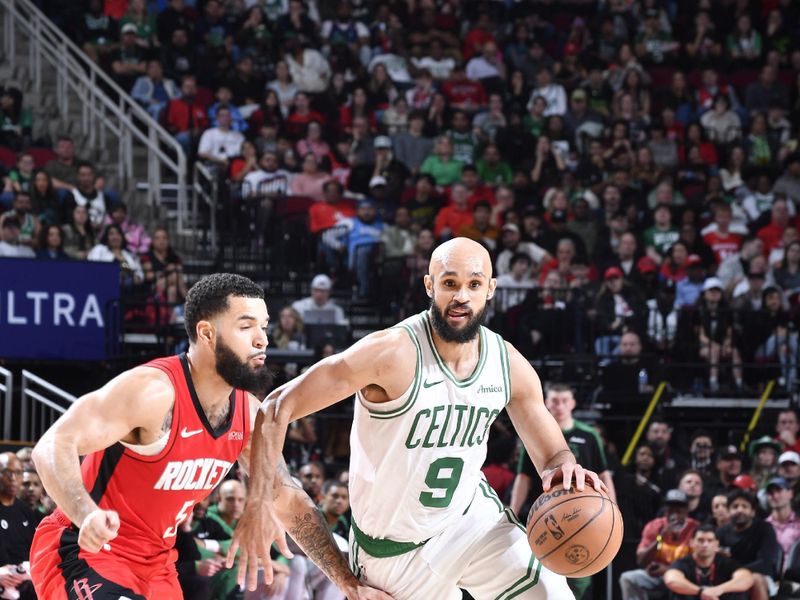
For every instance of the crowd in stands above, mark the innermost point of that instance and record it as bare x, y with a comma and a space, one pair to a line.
632, 166
62, 210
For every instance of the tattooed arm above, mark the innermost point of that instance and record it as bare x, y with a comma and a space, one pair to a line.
305, 523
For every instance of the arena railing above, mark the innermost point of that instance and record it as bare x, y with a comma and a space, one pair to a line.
42, 403
7, 388
108, 114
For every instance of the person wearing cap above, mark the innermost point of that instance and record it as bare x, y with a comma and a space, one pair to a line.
511, 242
706, 573
789, 469
728, 468
440, 164
713, 323
128, 60
320, 302
782, 517
688, 290
752, 543
764, 459
10, 246
663, 541
385, 167
620, 307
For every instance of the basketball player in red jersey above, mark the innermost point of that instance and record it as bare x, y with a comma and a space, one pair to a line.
157, 439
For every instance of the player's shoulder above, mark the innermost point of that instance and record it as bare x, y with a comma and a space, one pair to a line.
148, 385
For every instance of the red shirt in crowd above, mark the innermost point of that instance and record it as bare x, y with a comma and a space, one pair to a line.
459, 92
673, 546
182, 116
453, 219
723, 245
323, 215
772, 236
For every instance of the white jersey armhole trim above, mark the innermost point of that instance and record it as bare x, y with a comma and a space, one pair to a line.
150, 449
404, 402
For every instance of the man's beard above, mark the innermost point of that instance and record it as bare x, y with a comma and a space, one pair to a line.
465, 334
238, 374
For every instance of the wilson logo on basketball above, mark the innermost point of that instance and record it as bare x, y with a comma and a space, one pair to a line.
545, 498
237, 436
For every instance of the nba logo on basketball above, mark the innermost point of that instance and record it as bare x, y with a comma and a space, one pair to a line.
237, 436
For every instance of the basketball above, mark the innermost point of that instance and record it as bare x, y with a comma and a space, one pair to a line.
574, 533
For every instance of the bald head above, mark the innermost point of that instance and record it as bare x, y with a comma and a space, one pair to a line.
459, 283
10, 477
460, 253
231, 500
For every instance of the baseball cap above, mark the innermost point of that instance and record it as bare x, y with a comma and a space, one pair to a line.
382, 141
579, 94
511, 227
129, 28
693, 260
729, 451
612, 273
779, 482
712, 283
789, 456
377, 180
676, 497
321, 282
647, 265
764, 442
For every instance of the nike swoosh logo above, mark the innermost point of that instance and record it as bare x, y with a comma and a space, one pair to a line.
427, 384
185, 433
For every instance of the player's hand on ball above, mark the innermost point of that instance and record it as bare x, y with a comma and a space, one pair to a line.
98, 528
254, 534
565, 472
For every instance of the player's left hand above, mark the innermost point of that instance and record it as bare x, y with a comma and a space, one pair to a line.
565, 472
256, 530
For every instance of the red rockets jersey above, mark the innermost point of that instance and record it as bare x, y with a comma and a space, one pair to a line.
153, 494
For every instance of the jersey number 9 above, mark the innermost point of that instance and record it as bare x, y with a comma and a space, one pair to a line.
442, 479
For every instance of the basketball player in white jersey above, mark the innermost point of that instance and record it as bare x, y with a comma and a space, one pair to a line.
425, 521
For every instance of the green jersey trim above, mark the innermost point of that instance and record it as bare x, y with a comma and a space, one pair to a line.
412, 397
443, 366
382, 547
505, 365
527, 581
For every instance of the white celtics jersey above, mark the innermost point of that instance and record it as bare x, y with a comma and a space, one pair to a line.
415, 460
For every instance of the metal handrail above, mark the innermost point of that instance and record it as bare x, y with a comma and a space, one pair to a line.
7, 388
103, 119
48, 409
205, 186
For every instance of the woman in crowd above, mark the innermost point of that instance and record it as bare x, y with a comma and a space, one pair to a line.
46, 203
313, 142
51, 244
288, 331
79, 234
114, 248
163, 267
787, 275
310, 181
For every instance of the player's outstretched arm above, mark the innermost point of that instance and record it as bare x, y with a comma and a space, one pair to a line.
94, 422
539, 431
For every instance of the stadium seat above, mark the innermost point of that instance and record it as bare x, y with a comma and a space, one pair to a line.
41, 156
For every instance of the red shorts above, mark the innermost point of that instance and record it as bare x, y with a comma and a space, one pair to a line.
60, 570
